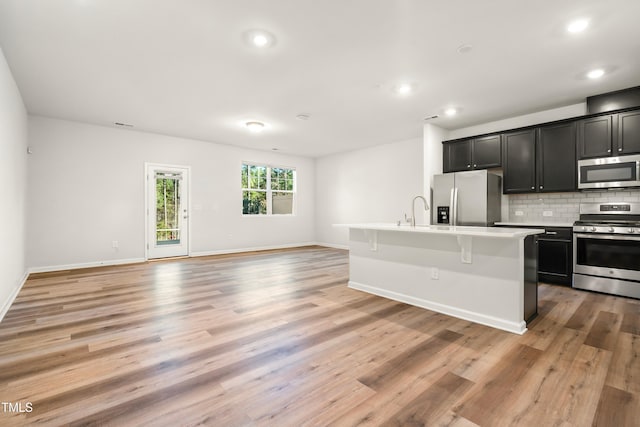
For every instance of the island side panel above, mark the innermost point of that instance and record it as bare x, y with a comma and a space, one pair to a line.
530, 277
489, 290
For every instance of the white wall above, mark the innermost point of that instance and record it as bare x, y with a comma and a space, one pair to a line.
561, 113
432, 140
13, 187
369, 185
87, 189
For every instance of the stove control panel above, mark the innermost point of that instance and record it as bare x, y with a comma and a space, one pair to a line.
605, 229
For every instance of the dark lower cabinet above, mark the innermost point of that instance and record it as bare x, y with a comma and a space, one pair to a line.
555, 254
555, 263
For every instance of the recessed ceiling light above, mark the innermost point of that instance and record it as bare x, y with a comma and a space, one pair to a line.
450, 112
303, 117
578, 26
404, 89
255, 127
595, 74
259, 38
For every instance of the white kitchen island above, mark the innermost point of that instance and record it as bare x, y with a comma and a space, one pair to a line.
482, 274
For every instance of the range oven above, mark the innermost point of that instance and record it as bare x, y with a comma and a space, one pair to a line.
609, 172
606, 248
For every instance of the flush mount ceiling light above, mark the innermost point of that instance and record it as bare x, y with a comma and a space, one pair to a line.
450, 112
259, 38
303, 117
577, 26
595, 74
255, 127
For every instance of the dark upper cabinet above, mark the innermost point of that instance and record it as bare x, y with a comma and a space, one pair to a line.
486, 152
556, 158
519, 161
610, 135
628, 141
595, 137
457, 156
477, 153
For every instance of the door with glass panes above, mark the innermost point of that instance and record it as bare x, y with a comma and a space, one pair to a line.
167, 211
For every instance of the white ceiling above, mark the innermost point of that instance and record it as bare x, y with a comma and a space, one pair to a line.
182, 67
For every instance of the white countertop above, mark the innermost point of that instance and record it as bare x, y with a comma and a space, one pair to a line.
537, 224
505, 233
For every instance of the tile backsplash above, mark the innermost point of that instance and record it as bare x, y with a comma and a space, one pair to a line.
560, 207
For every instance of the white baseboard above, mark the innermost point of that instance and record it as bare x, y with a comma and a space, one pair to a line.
51, 268
251, 249
333, 245
483, 319
7, 304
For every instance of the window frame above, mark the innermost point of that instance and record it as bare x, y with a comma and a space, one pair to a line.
269, 191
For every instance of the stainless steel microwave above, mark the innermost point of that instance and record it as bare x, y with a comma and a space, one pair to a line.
609, 172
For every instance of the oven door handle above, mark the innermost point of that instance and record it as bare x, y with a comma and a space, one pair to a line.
606, 236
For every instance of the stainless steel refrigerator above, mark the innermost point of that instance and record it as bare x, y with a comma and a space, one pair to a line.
466, 198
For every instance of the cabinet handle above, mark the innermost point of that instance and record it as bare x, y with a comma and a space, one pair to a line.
608, 151
619, 149
475, 166
468, 166
541, 187
533, 188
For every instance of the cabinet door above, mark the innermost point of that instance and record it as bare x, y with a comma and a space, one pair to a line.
555, 262
486, 152
594, 137
519, 161
628, 133
556, 151
457, 156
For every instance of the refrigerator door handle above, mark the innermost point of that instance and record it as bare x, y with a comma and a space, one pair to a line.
451, 207
454, 205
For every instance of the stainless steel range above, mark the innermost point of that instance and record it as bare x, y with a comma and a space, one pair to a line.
606, 248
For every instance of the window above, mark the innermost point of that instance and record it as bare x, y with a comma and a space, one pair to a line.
267, 190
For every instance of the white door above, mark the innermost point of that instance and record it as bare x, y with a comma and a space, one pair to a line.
167, 211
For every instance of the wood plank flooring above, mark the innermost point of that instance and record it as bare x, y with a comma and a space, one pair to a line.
278, 339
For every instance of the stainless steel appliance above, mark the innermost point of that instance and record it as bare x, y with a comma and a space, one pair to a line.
609, 172
606, 248
466, 198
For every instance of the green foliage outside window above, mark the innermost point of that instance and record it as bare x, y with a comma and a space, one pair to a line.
264, 186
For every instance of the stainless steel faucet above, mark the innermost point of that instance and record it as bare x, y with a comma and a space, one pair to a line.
413, 209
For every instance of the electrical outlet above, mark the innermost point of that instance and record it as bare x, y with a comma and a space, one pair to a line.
519, 213
114, 244
547, 213
435, 273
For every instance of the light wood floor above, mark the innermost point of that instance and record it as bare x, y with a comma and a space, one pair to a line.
277, 338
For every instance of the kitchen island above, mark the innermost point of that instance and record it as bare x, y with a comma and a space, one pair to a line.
482, 274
